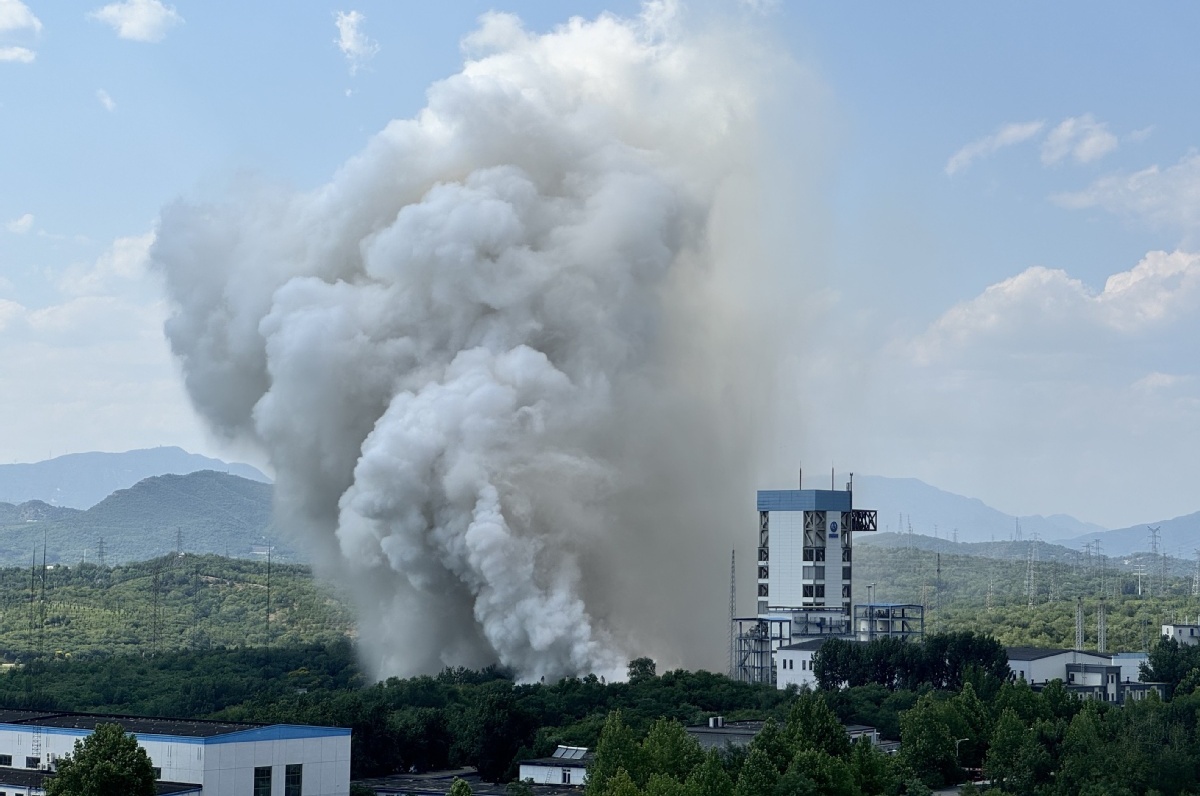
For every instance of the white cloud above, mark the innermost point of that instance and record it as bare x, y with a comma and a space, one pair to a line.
1079, 137
1164, 197
15, 15
21, 225
1138, 136
1006, 136
1040, 394
125, 261
1156, 380
20, 55
353, 43
93, 368
106, 100
1045, 311
139, 20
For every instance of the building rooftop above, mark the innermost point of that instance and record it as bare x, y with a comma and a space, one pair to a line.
814, 643
804, 500
141, 725
1032, 653
564, 757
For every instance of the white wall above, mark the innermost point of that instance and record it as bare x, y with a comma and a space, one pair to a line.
225, 768
1054, 667
794, 667
1184, 634
229, 767
787, 553
550, 775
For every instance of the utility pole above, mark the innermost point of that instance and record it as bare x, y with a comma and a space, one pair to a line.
1030, 581
732, 605
1196, 576
1079, 623
1154, 536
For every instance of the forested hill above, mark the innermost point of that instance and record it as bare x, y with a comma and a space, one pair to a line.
202, 512
81, 480
165, 604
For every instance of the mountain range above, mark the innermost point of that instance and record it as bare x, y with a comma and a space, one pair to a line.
144, 502
907, 504
201, 512
81, 480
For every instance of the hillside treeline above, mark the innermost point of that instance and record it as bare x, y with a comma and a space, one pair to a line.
175, 602
991, 596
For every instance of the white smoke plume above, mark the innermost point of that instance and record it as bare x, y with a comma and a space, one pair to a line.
499, 362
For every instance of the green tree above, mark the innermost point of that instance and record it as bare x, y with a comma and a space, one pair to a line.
662, 785
831, 775
106, 763
871, 769
615, 750
1007, 764
926, 745
621, 784
773, 743
812, 725
518, 788
709, 778
460, 787
758, 775
642, 669
668, 749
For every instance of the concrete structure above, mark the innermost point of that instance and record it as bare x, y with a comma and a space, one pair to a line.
1039, 665
805, 564
1184, 634
889, 620
567, 766
1131, 664
209, 758
794, 664
1089, 675
718, 733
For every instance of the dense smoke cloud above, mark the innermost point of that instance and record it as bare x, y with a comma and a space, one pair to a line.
500, 363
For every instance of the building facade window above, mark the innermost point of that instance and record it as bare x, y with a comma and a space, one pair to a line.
820, 589
5, 760
293, 779
262, 781
33, 762
566, 776
157, 772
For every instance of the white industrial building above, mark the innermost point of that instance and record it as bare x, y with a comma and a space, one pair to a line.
1090, 675
805, 563
1184, 634
794, 664
207, 758
567, 766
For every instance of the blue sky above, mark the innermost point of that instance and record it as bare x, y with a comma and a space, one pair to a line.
983, 172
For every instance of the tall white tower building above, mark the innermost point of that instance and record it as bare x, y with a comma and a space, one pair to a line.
805, 574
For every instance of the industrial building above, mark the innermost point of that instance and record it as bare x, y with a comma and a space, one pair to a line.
1090, 675
1188, 635
206, 758
721, 734
804, 585
567, 766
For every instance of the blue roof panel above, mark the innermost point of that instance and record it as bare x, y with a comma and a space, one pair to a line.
803, 500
